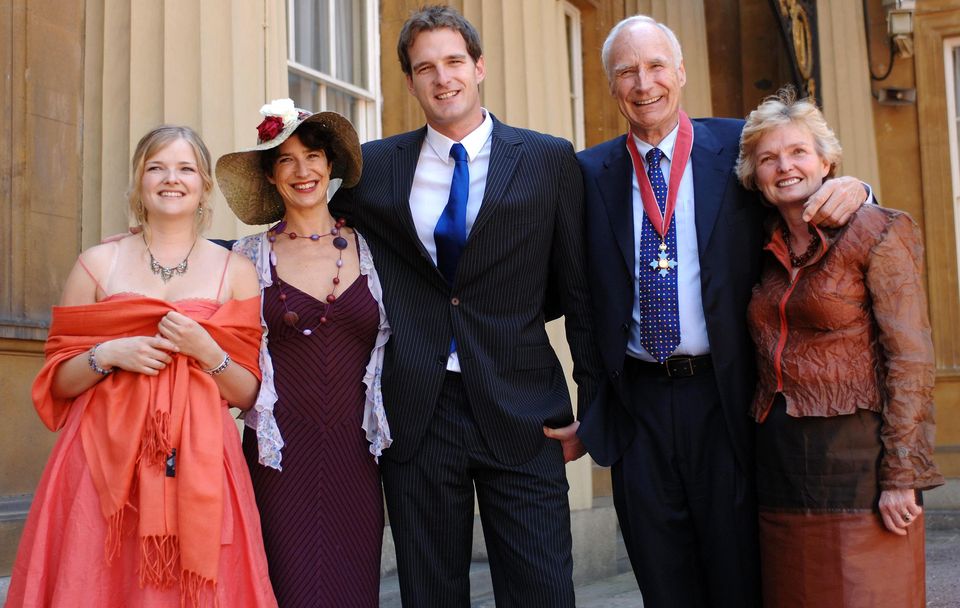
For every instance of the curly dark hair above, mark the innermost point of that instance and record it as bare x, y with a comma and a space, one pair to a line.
311, 135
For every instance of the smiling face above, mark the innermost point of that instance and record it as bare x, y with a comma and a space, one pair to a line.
171, 184
646, 81
788, 167
445, 80
301, 174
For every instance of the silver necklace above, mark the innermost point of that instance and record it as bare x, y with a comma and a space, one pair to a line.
164, 272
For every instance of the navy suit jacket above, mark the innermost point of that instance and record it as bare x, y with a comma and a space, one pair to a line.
729, 241
523, 264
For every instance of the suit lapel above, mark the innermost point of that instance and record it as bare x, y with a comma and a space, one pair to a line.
404, 167
615, 179
505, 151
711, 172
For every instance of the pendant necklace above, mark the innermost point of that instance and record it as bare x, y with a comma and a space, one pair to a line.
291, 318
166, 273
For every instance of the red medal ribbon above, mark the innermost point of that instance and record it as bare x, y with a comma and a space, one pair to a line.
678, 162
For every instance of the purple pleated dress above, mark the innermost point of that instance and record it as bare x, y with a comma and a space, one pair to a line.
322, 516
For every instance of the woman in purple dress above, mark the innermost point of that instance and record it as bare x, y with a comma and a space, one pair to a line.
318, 425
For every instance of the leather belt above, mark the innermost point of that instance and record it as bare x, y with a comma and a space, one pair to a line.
674, 367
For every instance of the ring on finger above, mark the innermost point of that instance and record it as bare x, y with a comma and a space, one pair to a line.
906, 517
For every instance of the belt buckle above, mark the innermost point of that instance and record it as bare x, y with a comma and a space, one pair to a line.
679, 368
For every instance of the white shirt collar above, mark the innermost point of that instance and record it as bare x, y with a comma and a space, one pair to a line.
472, 143
666, 145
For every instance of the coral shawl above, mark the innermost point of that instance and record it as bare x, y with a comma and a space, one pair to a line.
133, 421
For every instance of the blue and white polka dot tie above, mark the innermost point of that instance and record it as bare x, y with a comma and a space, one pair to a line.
659, 317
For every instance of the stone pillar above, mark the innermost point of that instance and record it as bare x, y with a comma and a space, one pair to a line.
845, 83
687, 20
208, 65
41, 89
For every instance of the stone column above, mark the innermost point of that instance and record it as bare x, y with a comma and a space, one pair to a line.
686, 19
208, 65
845, 84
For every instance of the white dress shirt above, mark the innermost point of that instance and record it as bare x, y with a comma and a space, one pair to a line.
693, 327
431, 185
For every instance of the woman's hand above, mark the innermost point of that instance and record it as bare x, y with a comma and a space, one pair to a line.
237, 385
142, 354
899, 509
191, 339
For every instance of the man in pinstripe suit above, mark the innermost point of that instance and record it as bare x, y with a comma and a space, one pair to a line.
471, 384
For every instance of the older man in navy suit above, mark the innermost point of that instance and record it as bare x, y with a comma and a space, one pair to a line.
673, 251
472, 223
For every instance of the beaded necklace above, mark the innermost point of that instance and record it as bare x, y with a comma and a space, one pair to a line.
798, 261
290, 317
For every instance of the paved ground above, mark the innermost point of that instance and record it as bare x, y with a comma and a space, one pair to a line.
943, 575
943, 559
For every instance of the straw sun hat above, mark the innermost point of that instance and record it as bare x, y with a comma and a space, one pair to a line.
254, 199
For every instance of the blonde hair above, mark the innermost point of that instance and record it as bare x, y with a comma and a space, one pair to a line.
151, 143
782, 109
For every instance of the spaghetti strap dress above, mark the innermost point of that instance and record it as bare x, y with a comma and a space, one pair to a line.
323, 513
61, 559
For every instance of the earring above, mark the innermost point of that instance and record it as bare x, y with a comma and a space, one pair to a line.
140, 214
200, 211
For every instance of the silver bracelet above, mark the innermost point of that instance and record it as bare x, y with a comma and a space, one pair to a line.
92, 360
216, 371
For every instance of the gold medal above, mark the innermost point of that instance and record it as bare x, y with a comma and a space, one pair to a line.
661, 219
663, 264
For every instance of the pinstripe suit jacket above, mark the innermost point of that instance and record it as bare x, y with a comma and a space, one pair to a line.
523, 264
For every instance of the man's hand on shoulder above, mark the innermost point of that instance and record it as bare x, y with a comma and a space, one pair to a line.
567, 436
835, 202
113, 238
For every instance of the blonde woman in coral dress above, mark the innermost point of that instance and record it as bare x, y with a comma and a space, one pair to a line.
146, 500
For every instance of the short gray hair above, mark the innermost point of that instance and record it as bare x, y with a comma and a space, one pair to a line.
630, 22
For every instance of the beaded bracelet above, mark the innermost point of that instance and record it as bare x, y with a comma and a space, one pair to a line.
92, 360
216, 371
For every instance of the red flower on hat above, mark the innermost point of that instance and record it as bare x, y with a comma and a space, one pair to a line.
269, 128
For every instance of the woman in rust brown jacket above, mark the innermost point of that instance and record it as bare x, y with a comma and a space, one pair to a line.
844, 400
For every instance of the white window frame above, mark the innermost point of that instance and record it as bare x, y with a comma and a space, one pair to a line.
575, 50
951, 57
369, 126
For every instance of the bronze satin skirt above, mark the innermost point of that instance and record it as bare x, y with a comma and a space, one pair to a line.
822, 542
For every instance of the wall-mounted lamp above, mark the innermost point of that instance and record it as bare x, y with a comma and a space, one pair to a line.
905, 5
891, 96
900, 25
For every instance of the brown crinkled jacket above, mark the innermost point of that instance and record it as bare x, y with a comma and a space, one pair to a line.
851, 331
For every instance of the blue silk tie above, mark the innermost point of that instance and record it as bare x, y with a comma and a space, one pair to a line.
451, 231
450, 234
659, 315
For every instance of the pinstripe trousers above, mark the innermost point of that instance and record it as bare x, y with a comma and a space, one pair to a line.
523, 508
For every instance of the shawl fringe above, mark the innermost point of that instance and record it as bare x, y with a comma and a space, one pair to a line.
111, 544
156, 444
159, 561
195, 591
